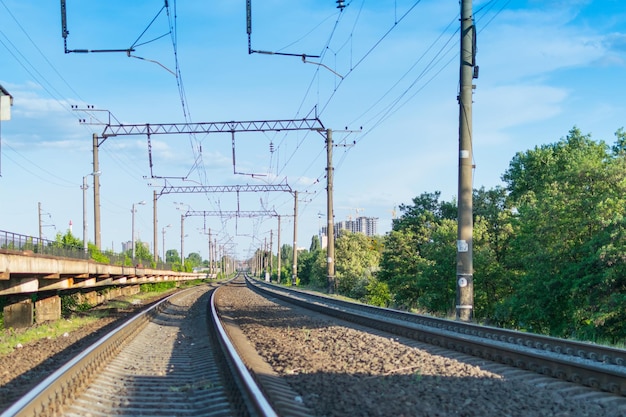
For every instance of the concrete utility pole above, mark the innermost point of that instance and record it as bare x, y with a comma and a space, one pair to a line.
182, 239
40, 227
84, 188
133, 210
464, 257
265, 269
211, 260
96, 195
279, 253
330, 232
294, 268
155, 227
271, 251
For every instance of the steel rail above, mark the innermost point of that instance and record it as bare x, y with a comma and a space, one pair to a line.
50, 393
56, 391
582, 363
260, 403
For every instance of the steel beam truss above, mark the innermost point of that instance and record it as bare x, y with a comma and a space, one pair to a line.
233, 213
212, 127
170, 189
112, 130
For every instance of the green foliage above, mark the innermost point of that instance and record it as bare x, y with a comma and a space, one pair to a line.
71, 303
418, 262
548, 249
568, 239
286, 255
315, 244
97, 255
157, 286
172, 256
310, 269
493, 230
193, 260
378, 293
143, 257
357, 258
68, 241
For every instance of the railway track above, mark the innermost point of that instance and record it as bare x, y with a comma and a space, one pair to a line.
161, 363
599, 367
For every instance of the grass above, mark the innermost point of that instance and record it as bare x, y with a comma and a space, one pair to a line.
10, 338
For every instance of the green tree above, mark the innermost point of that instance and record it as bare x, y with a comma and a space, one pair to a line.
172, 256
306, 269
357, 258
142, 254
418, 262
193, 260
286, 254
315, 244
493, 231
569, 199
68, 241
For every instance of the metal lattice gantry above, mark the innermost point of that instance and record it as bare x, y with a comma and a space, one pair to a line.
313, 124
170, 189
229, 214
232, 127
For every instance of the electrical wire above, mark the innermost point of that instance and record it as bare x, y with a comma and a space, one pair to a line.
45, 178
397, 103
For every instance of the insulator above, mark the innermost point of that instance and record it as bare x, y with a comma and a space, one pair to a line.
272, 147
341, 4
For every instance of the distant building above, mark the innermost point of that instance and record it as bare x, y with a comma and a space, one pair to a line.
128, 246
365, 225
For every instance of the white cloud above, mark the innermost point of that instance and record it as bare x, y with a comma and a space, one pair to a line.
514, 105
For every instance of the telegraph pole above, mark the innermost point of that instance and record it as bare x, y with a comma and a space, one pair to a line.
40, 227
84, 188
155, 228
265, 270
271, 250
294, 269
330, 229
211, 260
464, 257
182, 240
96, 194
279, 253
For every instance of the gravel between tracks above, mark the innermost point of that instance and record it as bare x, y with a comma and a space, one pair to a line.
339, 370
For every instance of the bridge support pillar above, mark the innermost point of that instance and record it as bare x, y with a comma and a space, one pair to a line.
87, 297
19, 314
130, 290
47, 309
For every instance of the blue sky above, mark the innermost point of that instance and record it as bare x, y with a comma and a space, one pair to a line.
545, 67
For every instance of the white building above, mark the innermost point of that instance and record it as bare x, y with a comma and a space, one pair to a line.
366, 225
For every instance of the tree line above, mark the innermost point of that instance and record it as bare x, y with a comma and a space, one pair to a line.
143, 256
549, 247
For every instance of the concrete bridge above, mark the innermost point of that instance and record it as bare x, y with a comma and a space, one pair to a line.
24, 273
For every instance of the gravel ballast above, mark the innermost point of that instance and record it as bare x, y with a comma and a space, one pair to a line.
340, 370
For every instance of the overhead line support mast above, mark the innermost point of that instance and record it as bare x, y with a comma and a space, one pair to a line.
464, 258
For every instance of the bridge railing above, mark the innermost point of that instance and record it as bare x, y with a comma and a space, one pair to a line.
18, 242
22, 243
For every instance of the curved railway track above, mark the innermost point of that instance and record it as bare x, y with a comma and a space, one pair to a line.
161, 363
595, 366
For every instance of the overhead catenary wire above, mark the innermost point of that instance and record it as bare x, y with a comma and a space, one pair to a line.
437, 63
397, 102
